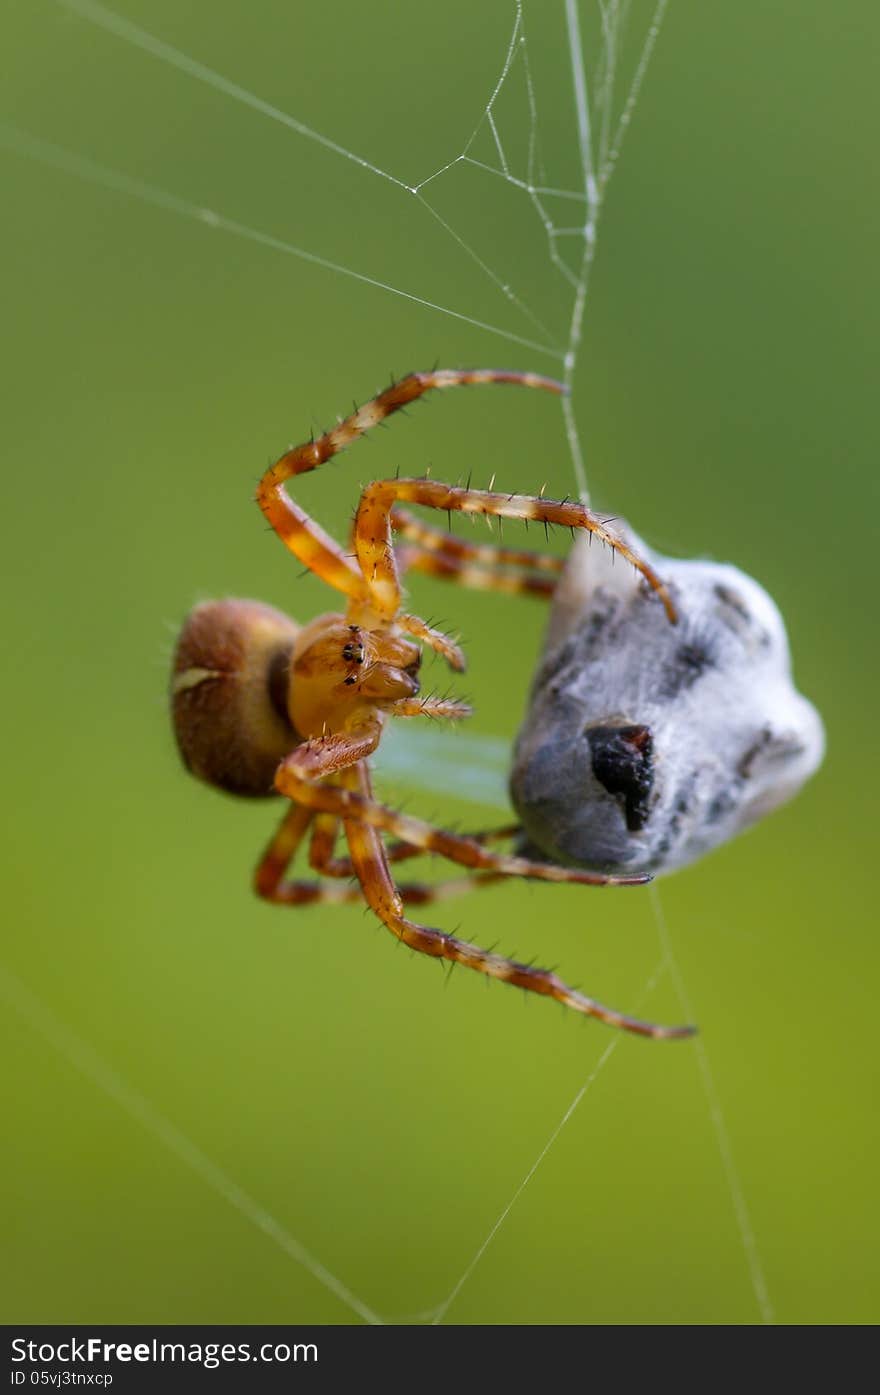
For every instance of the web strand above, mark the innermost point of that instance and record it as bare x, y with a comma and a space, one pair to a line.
582, 103
634, 91
87, 1061
443, 1308
108, 20
613, 14
505, 69
105, 18
722, 1137
46, 152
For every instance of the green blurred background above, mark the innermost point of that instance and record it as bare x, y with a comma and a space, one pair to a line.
153, 366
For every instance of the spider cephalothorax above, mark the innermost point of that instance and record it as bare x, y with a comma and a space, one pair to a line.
263, 706
342, 676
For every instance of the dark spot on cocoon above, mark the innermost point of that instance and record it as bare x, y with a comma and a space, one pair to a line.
623, 763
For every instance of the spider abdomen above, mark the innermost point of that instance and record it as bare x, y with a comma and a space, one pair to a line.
228, 694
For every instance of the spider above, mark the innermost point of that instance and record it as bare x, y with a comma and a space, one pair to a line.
264, 706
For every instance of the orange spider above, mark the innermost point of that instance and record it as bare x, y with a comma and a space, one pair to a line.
263, 706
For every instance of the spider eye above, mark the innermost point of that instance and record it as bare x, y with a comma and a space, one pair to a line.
623, 764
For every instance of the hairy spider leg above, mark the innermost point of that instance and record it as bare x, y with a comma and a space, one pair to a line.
305, 538
374, 874
325, 834
476, 578
435, 639
301, 776
479, 566
373, 530
272, 885
326, 830
269, 879
432, 539
451, 708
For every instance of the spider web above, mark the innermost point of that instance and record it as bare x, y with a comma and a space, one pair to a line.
600, 135
603, 107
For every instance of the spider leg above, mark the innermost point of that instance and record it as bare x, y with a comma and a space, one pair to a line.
326, 829
435, 639
450, 708
476, 578
433, 539
384, 898
322, 847
316, 759
269, 878
305, 538
272, 885
299, 776
373, 530
481, 566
